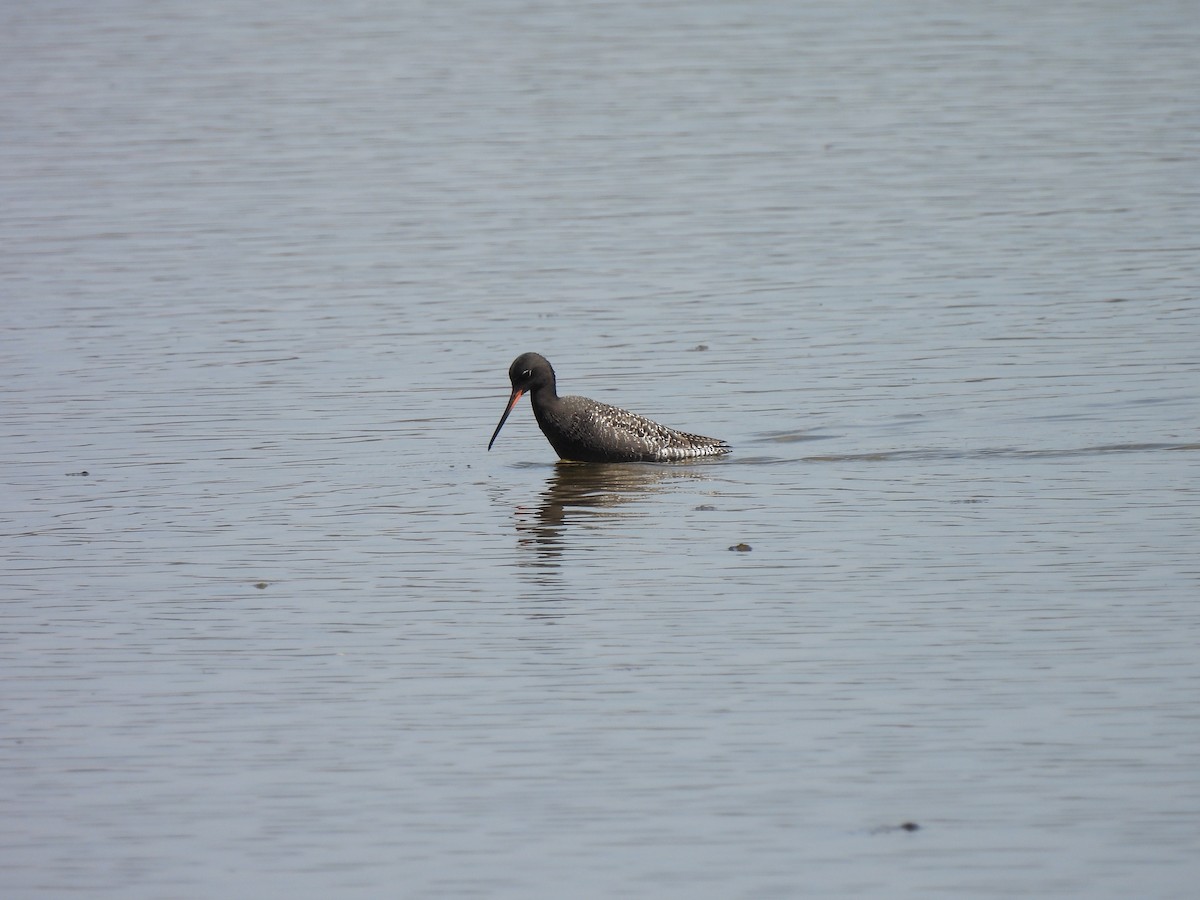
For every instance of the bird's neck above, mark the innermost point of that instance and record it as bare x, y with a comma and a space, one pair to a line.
543, 393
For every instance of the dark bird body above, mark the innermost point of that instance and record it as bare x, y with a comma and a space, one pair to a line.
584, 430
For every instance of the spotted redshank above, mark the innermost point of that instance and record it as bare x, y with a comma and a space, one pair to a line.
584, 430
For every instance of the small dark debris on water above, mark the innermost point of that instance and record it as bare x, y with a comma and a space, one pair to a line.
742, 548
261, 585
903, 826
77, 474
705, 507
700, 347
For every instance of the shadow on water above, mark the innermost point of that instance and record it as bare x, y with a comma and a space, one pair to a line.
997, 453
968, 455
580, 495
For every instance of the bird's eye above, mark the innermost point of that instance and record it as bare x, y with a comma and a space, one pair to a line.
528, 373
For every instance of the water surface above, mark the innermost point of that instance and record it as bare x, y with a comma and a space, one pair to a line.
274, 622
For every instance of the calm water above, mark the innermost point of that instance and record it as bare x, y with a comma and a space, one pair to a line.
931, 268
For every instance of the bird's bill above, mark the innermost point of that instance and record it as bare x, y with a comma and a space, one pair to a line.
512, 401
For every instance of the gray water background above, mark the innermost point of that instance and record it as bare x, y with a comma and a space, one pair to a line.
931, 268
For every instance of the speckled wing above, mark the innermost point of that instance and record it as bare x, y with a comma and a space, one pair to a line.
628, 436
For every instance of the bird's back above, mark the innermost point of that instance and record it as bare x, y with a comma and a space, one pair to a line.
590, 431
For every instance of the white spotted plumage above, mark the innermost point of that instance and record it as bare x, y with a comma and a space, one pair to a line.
588, 431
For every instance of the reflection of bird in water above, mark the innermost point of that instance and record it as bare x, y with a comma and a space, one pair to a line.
577, 494
584, 430
594, 489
